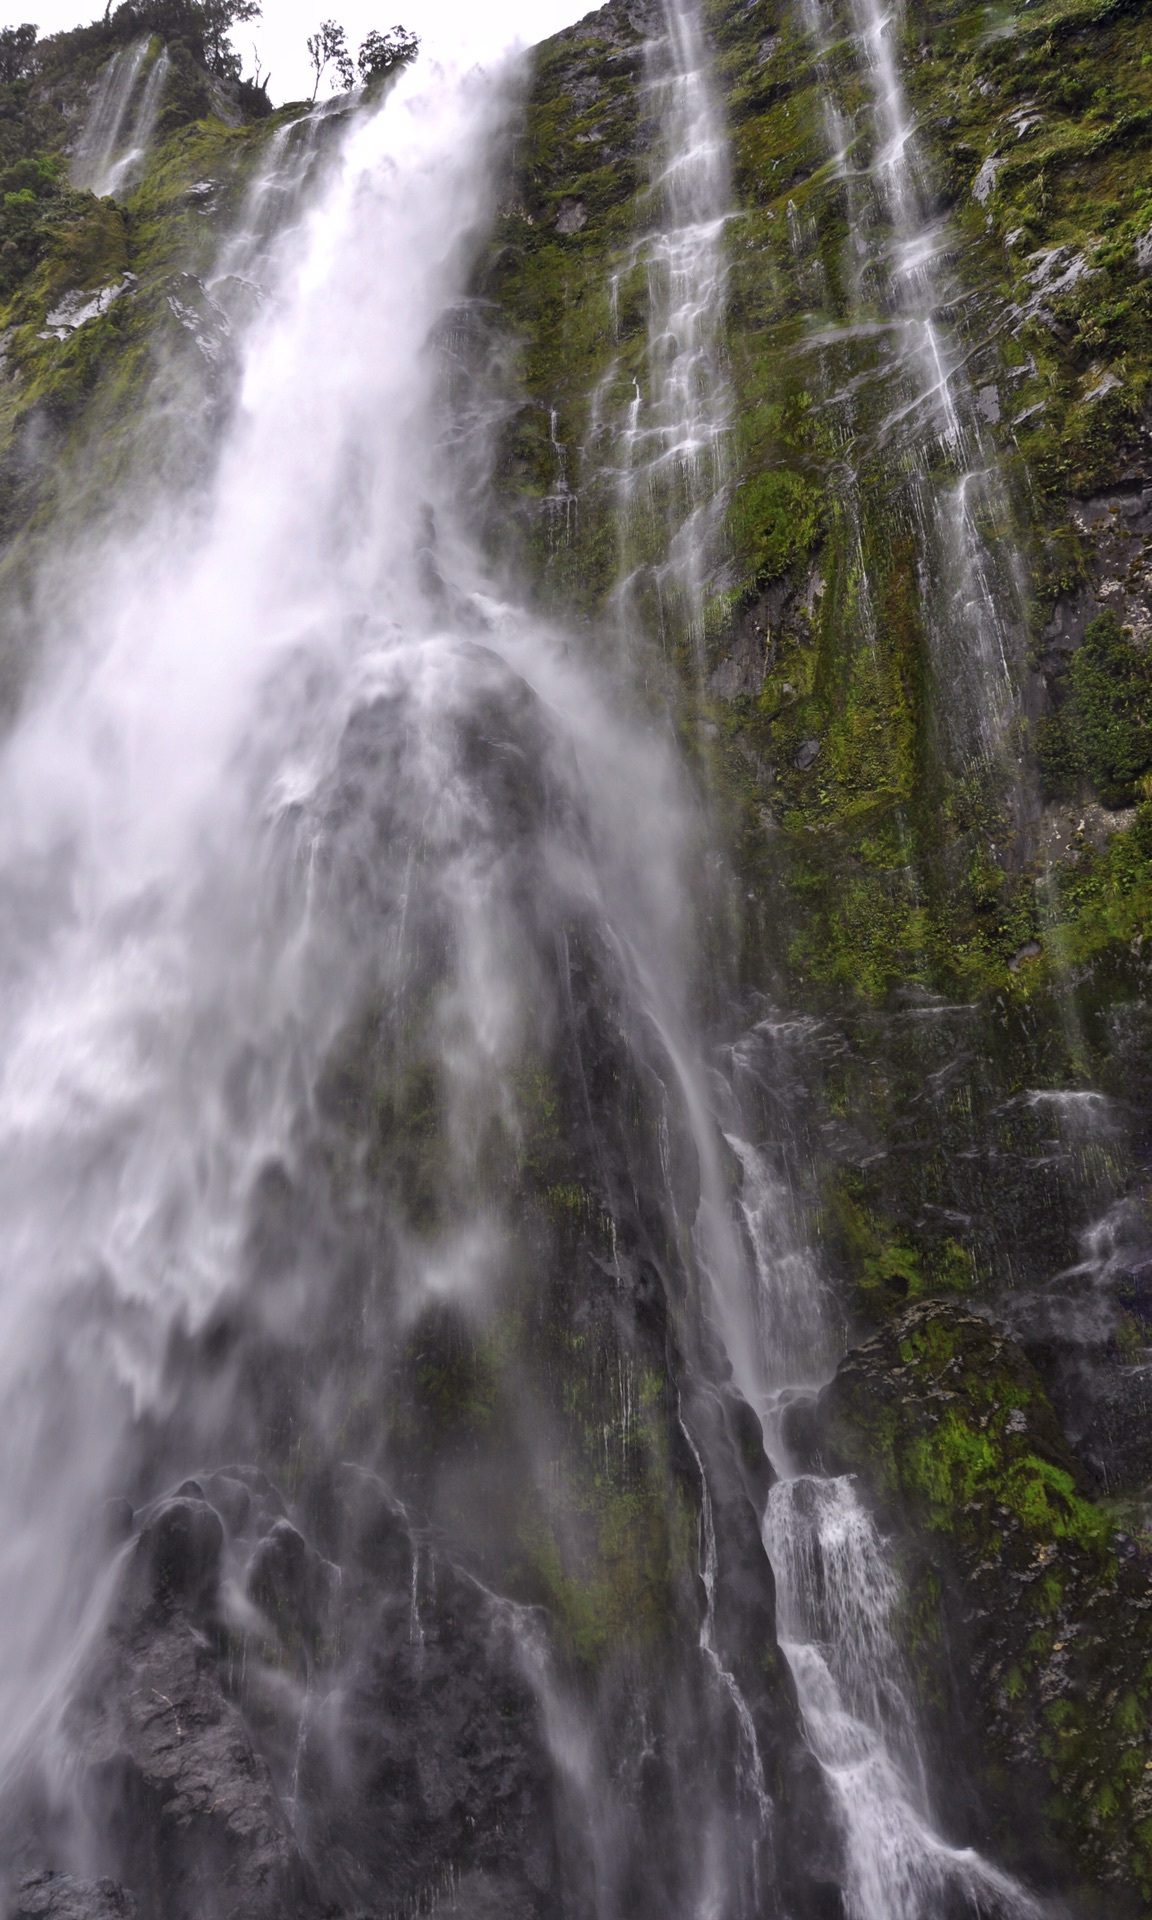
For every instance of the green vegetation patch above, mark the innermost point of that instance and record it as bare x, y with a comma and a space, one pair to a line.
1102, 732
951, 1428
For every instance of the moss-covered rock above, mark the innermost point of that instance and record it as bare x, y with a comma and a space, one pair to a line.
1021, 1583
115, 360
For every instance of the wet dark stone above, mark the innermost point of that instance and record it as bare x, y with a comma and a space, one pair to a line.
1117, 1428
807, 754
800, 1432
1133, 1288
231, 1499
373, 1530
433, 1761
183, 1806
748, 1437
178, 1554
286, 1581
813, 1858
58, 1896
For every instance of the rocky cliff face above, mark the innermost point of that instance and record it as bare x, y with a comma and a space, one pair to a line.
914, 692
959, 923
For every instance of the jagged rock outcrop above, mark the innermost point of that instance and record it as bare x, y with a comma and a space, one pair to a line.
260, 1730
60, 1896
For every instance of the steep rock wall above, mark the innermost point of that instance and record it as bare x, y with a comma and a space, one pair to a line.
946, 933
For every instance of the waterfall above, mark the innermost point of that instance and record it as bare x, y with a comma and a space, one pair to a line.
168, 996
125, 107
298, 781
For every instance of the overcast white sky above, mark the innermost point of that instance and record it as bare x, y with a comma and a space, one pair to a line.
449, 29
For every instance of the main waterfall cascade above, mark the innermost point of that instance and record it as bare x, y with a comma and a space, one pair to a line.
356, 1119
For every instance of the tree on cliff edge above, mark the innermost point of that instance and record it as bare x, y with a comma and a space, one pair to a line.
380, 52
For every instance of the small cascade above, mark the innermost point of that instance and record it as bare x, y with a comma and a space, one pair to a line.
790, 1302
838, 1599
274, 204
121, 119
837, 1596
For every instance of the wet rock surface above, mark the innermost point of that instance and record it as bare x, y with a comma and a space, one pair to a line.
1025, 1592
427, 1767
59, 1896
263, 1731
185, 1805
231, 1765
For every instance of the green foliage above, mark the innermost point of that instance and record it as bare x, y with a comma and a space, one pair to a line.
381, 53
17, 53
1058, 757
33, 199
774, 521
961, 1465
203, 26
1107, 721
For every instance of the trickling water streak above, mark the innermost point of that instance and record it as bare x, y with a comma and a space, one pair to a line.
561, 504
112, 146
898, 247
751, 1766
675, 438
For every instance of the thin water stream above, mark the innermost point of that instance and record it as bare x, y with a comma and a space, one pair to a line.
894, 373
125, 107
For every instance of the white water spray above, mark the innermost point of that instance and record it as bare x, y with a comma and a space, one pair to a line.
125, 108
166, 1000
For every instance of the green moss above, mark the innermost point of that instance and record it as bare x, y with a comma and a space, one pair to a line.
1104, 730
774, 521
612, 1596
952, 1429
